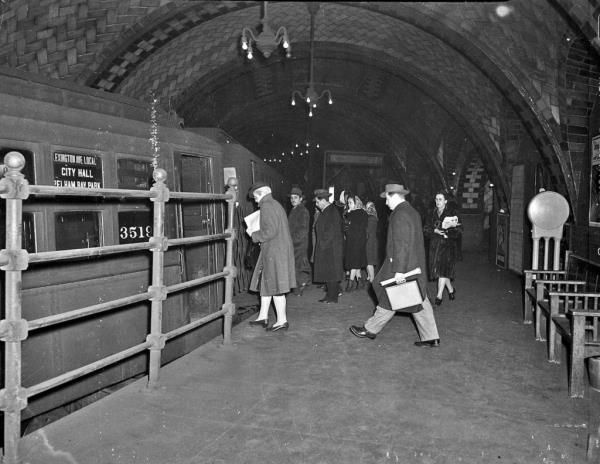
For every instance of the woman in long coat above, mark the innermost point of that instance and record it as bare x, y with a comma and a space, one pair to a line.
444, 233
274, 274
355, 250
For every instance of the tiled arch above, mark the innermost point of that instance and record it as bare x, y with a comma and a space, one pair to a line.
80, 42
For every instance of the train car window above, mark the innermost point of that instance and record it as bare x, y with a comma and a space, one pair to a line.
134, 174
135, 226
28, 231
77, 229
28, 170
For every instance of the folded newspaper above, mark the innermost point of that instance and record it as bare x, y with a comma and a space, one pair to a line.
252, 222
415, 271
449, 221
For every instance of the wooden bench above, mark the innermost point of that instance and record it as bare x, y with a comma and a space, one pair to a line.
578, 328
571, 309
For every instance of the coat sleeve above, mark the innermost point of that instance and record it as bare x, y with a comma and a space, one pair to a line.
268, 225
402, 233
333, 226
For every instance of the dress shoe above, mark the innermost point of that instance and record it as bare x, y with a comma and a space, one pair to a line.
275, 328
430, 343
451, 295
325, 300
438, 301
361, 332
262, 322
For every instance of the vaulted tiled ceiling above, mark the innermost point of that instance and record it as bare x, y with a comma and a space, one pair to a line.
404, 75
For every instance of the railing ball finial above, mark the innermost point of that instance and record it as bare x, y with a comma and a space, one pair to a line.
14, 161
232, 182
159, 175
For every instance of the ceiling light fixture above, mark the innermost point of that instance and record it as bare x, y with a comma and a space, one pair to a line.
267, 41
311, 97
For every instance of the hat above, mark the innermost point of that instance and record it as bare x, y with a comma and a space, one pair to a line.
296, 191
394, 188
320, 194
256, 186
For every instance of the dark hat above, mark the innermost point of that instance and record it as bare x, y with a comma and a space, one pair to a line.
319, 194
394, 188
257, 185
296, 191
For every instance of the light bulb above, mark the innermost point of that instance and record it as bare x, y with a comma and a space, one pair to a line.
249, 53
310, 114
307, 144
330, 101
285, 44
293, 102
307, 99
317, 145
314, 105
244, 45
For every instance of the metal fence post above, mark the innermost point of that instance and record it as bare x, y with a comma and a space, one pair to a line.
229, 306
13, 329
158, 290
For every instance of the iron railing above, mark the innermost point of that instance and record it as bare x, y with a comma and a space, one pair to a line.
14, 260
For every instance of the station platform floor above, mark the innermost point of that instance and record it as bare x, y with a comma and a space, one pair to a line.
316, 394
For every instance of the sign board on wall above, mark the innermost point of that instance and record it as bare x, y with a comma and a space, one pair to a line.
77, 170
357, 158
502, 224
595, 183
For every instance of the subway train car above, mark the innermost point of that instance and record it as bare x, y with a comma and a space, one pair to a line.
72, 137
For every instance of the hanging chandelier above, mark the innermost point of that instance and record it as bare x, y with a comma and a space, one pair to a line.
311, 96
267, 41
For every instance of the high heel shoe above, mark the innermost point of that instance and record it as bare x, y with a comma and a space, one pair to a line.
438, 301
275, 328
451, 295
261, 322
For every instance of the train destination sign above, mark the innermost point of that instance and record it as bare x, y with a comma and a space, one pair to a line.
74, 170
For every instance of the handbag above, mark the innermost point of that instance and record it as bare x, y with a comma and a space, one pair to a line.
405, 295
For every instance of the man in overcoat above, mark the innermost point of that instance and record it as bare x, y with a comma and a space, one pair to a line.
299, 220
329, 246
274, 274
404, 252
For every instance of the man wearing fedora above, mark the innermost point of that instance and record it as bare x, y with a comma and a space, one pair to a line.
329, 246
299, 220
274, 273
405, 252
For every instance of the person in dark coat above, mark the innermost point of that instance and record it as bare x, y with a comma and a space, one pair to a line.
299, 220
274, 274
372, 247
404, 252
355, 250
443, 228
329, 243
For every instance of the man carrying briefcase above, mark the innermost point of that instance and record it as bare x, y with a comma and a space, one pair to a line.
404, 253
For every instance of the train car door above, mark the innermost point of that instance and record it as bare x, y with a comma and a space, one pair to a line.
195, 218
